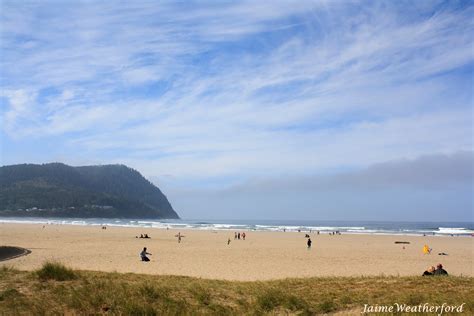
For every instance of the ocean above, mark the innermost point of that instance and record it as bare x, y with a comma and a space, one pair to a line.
344, 227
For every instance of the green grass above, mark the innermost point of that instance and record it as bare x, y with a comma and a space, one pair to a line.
55, 289
55, 271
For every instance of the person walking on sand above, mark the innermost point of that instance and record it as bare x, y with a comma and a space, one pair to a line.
309, 242
143, 255
235, 235
243, 235
228, 241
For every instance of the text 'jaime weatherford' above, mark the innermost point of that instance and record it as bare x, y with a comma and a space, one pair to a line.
421, 308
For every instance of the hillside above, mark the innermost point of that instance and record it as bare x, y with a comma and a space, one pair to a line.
58, 190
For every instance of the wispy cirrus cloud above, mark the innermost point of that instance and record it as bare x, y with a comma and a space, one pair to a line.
207, 91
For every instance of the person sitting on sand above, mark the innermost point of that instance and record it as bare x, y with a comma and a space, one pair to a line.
309, 242
143, 255
429, 271
146, 236
141, 235
439, 270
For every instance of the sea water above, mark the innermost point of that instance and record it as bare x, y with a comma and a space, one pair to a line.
346, 227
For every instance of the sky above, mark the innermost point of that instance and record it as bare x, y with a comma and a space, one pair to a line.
322, 110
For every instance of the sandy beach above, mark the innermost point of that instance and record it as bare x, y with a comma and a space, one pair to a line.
206, 254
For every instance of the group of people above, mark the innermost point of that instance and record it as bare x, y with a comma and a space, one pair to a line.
239, 235
143, 236
435, 271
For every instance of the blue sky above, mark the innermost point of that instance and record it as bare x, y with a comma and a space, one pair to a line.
205, 98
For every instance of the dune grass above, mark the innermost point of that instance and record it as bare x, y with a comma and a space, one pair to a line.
55, 289
55, 271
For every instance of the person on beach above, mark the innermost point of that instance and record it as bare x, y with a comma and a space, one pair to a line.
143, 255
439, 270
309, 242
429, 271
243, 235
179, 237
228, 241
235, 235
238, 236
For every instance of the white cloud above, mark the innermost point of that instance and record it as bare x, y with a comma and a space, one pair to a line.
139, 75
250, 88
21, 108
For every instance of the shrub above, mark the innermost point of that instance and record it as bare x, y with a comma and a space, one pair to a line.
55, 271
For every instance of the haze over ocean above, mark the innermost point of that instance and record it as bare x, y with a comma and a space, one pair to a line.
307, 110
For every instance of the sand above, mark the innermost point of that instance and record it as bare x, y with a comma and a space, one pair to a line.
262, 256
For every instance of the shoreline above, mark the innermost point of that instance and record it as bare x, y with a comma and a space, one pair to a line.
187, 225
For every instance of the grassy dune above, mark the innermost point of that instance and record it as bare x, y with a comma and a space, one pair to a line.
55, 289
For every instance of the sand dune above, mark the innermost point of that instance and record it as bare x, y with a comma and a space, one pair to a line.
264, 255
